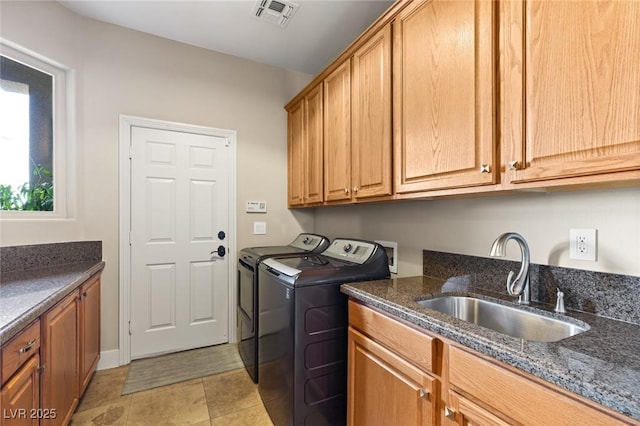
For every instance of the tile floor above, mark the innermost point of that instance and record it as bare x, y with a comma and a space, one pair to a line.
228, 399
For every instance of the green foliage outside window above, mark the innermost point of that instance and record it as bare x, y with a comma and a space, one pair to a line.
30, 196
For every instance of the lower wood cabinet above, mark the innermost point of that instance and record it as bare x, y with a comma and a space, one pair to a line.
497, 394
468, 413
390, 379
89, 330
399, 375
386, 389
60, 359
47, 366
20, 396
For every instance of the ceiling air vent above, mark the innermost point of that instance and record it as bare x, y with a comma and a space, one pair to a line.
277, 12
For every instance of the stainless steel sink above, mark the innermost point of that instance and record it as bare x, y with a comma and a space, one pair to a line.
505, 319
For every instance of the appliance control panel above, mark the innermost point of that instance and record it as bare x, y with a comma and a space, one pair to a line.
309, 242
350, 250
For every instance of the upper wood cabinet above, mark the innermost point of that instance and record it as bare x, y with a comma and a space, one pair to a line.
357, 123
445, 98
371, 156
443, 95
295, 154
305, 141
571, 90
337, 134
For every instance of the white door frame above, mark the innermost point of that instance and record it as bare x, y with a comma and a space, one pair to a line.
124, 273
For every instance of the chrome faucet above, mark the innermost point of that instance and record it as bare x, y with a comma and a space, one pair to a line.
520, 285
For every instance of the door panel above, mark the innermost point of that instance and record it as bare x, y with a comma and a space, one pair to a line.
179, 284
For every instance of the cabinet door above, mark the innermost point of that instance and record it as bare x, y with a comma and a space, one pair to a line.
89, 326
337, 134
385, 389
519, 397
571, 99
467, 413
443, 88
60, 358
20, 396
313, 154
295, 155
371, 117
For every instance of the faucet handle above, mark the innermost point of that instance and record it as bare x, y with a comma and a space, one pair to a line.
560, 303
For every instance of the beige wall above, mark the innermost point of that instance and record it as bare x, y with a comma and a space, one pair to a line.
469, 226
119, 71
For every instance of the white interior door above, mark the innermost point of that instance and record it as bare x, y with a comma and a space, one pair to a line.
179, 219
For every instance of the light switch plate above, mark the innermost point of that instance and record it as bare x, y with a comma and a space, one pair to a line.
259, 228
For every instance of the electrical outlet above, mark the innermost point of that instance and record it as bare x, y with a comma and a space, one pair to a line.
583, 244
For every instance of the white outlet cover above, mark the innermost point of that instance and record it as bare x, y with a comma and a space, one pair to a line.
583, 244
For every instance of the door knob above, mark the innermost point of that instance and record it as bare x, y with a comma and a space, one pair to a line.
220, 252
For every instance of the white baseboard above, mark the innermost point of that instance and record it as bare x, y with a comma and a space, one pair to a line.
109, 359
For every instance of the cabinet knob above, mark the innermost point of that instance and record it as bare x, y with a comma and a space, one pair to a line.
513, 165
485, 168
346, 190
449, 413
355, 189
424, 394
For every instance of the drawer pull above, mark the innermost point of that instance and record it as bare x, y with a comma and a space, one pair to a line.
28, 347
449, 413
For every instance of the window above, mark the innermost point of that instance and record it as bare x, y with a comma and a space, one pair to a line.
33, 143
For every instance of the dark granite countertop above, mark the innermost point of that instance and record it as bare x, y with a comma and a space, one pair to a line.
601, 364
25, 295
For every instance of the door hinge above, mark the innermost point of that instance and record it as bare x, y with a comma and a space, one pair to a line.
129, 237
130, 152
130, 328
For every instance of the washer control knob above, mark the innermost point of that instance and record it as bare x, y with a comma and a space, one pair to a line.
347, 247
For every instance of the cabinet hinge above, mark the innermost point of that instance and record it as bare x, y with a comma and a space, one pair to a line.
41, 368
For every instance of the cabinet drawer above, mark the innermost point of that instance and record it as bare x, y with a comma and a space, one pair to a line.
522, 398
405, 341
20, 349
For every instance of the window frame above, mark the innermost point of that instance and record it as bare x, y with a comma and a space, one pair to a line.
63, 138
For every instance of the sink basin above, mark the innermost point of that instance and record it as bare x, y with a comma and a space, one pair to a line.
504, 319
